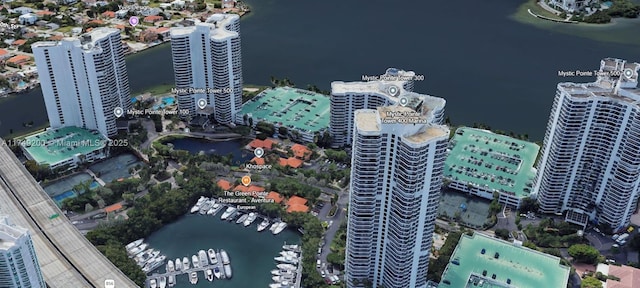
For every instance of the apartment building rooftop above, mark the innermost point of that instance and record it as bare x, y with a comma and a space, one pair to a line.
501, 264
217, 24
291, 107
56, 145
430, 132
87, 40
367, 120
616, 79
9, 233
497, 162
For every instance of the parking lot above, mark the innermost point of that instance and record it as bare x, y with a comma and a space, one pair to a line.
610, 248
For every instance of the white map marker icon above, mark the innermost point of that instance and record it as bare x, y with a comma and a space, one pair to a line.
393, 91
259, 152
628, 73
202, 103
118, 112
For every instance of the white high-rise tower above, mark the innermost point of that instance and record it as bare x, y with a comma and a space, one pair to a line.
347, 97
396, 175
590, 164
19, 267
208, 65
84, 79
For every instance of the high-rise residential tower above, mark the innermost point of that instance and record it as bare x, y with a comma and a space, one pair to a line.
84, 79
347, 97
207, 64
396, 175
19, 267
590, 164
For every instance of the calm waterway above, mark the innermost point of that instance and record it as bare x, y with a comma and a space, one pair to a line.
195, 146
251, 252
490, 65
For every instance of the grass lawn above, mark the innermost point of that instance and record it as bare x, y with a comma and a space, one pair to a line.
65, 29
157, 90
535, 8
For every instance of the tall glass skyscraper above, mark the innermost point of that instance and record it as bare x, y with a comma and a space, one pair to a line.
590, 164
19, 267
396, 176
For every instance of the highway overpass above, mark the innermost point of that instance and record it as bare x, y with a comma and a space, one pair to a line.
66, 257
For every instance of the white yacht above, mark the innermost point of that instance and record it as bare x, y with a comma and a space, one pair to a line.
252, 217
212, 209
217, 272
263, 225
163, 282
282, 278
227, 271
178, 264
288, 253
292, 247
204, 208
153, 265
280, 228
286, 259
287, 267
170, 267
172, 280
195, 261
147, 256
227, 263
242, 218
134, 244
225, 257
153, 283
185, 263
216, 208
212, 256
278, 272
204, 260
193, 278
196, 207
228, 212
137, 250
274, 226
209, 275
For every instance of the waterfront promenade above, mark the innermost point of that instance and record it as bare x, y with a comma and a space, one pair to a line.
67, 259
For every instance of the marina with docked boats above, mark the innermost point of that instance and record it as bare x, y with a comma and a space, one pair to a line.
207, 206
213, 263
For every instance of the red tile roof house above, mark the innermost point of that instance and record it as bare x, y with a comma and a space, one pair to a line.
4, 54
18, 43
153, 19
109, 14
297, 204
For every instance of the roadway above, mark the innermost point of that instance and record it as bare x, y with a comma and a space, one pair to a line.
67, 258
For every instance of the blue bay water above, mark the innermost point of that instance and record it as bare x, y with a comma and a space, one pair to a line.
251, 252
489, 67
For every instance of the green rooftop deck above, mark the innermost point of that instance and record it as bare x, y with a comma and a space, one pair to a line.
294, 108
520, 266
57, 145
491, 161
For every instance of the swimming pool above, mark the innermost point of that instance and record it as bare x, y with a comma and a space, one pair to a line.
65, 195
22, 84
166, 101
